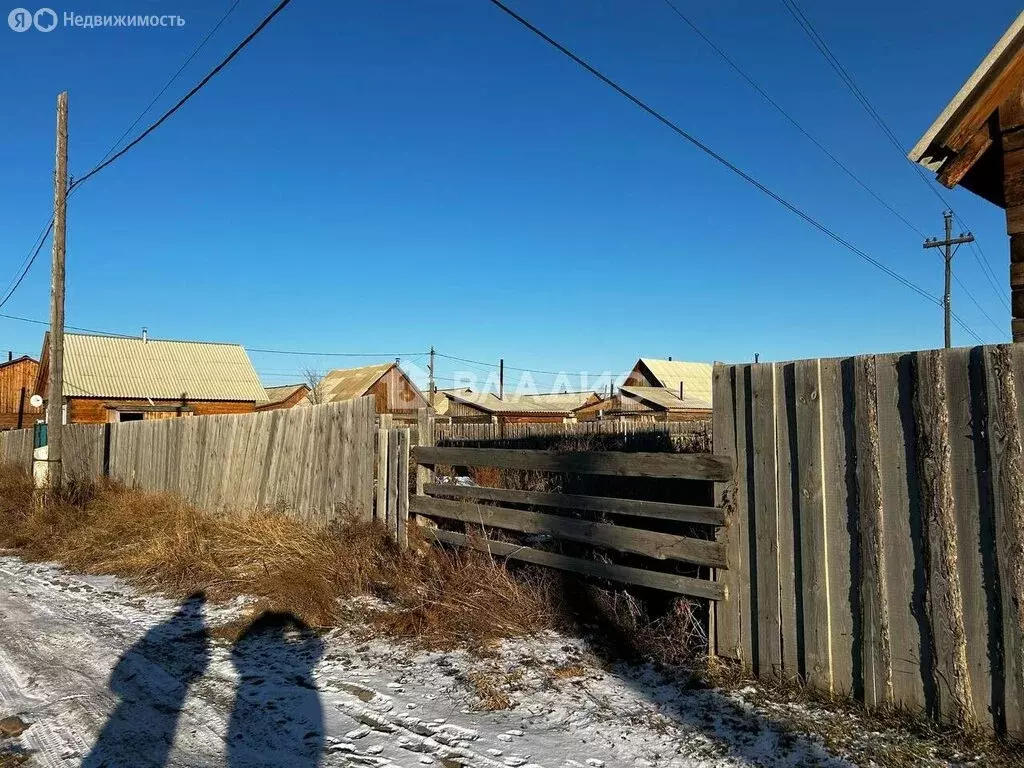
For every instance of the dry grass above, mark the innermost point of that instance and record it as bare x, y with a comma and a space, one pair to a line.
440, 598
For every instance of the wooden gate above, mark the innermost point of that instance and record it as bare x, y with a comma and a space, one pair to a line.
654, 537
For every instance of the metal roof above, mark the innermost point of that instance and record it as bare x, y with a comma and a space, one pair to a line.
663, 397
280, 394
695, 377
116, 366
567, 401
927, 151
349, 383
489, 402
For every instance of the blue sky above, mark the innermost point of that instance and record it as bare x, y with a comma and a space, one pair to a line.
386, 175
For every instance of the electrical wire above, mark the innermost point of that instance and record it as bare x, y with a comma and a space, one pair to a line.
792, 120
110, 159
195, 52
723, 161
823, 48
184, 99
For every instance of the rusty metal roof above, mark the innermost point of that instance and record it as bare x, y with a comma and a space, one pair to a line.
134, 368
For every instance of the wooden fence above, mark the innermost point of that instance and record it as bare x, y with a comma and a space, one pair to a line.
876, 541
16, 448
514, 510
314, 463
692, 434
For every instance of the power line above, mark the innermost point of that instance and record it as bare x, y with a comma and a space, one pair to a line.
767, 97
722, 160
981, 309
819, 42
195, 52
110, 159
29, 261
184, 99
391, 355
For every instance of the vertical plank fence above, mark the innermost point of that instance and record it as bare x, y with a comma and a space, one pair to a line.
876, 528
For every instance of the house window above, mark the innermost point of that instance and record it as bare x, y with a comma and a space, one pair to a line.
130, 416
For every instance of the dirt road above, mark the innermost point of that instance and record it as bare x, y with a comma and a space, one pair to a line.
109, 677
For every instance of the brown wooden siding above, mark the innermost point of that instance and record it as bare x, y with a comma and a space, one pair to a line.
297, 397
394, 393
17, 384
91, 410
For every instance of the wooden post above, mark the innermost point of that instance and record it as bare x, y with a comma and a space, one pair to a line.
55, 405
1011, 129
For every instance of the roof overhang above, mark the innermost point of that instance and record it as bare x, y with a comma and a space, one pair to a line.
962, 145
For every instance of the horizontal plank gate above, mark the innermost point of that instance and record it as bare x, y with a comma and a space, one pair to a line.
454, 513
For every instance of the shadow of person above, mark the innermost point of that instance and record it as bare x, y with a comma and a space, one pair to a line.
277, 719
152, 680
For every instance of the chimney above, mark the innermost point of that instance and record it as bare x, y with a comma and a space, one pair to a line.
670, 358
680, 390
10, 355
145, 334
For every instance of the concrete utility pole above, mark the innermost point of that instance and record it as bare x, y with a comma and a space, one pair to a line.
948, 244
55, 405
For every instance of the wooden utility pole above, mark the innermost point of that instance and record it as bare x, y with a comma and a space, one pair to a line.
501, 379
948, 244
55, 404
432, 387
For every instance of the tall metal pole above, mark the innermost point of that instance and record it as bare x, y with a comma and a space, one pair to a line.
55, 404
947, 244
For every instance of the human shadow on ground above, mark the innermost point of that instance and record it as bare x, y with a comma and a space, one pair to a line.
152, 680
277, 719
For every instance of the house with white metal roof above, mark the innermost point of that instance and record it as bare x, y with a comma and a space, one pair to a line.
121, 378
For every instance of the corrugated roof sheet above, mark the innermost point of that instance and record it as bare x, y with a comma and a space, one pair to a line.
663, 397
557, 404
280, 394
567, 401
695, 377
114, 366
349, 383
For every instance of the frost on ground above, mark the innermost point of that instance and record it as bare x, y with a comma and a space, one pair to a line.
106, 676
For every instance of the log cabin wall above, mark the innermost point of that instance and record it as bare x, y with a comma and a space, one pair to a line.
17, 384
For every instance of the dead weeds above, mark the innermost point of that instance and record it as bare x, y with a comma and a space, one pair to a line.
441, 599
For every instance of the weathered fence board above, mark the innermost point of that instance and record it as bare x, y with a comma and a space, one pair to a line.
313, 463
695, 466
897, 499
695, 435
661, 546
668, 582
680, 513
16, 448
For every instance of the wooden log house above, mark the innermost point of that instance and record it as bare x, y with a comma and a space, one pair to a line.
17, 385
120, 378
977, 142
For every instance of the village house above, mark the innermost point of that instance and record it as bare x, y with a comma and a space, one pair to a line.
392, 389
284, 396
657, 390
118, 378
467, 407
17, 385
